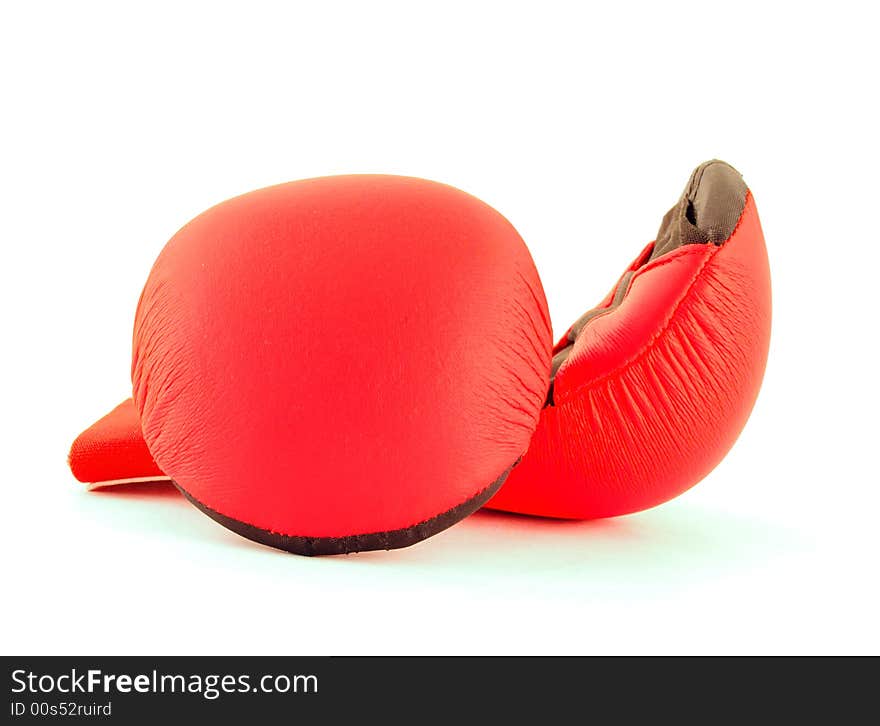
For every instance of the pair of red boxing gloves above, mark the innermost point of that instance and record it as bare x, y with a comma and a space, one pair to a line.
358, 362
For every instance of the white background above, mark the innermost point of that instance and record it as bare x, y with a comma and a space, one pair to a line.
581, 124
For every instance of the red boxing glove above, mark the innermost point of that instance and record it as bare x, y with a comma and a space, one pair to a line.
651, 388
356, 363
332, 365
113, 451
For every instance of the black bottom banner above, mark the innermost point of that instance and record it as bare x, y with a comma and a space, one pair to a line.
133, 690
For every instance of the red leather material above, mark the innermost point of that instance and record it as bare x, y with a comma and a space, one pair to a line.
656, 391
113, 449
341, 355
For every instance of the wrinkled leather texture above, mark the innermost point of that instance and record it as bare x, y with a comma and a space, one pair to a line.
341, 355
656, 390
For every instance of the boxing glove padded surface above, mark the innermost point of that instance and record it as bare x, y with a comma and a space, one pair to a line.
113, 451
655, 390
342, 356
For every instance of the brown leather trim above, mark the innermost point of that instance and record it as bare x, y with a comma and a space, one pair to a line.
708, 210
387, 540
706, 213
